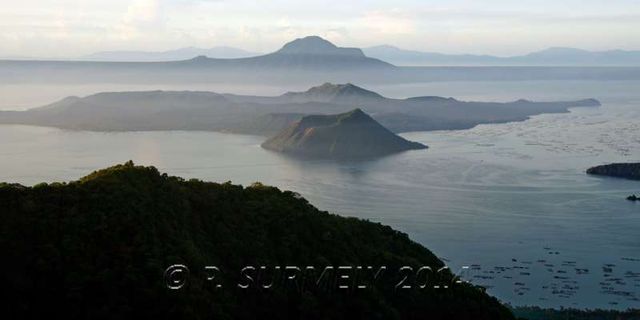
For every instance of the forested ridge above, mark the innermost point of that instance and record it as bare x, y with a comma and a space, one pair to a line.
98, 248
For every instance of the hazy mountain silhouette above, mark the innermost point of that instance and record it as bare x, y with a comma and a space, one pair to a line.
556, 56
316, 51
310, 52
335, 93
221, 52
348, 135
404, 57
318, 45
572, 56
312, 59
193, 110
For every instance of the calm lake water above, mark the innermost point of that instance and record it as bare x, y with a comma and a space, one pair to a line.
511, 200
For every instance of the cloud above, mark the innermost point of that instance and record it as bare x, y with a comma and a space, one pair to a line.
391, 22
140, 17
142, 11
73, 27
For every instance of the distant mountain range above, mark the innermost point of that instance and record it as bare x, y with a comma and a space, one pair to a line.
353, 134
314, 45
555, 56
310, 52
304, 53
309, 60
549, 57
171, 55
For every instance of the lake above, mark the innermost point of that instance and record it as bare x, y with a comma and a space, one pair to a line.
511, 200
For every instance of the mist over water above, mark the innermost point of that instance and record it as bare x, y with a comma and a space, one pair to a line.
511, 200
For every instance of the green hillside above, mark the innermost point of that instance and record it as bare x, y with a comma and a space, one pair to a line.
98, 248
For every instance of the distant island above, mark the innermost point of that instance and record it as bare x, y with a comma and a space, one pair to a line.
98, 248
618, 170
348, 135
267, 116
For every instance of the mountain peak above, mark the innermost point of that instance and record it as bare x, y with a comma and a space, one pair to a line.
353, 134
310, 42
357, 112
341, 87
317, 45
340, 93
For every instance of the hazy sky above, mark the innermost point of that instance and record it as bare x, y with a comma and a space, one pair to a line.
58, 28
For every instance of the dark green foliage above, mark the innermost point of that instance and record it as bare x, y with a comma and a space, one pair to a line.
98, 247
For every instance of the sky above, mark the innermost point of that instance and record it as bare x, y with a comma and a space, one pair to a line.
72, 28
